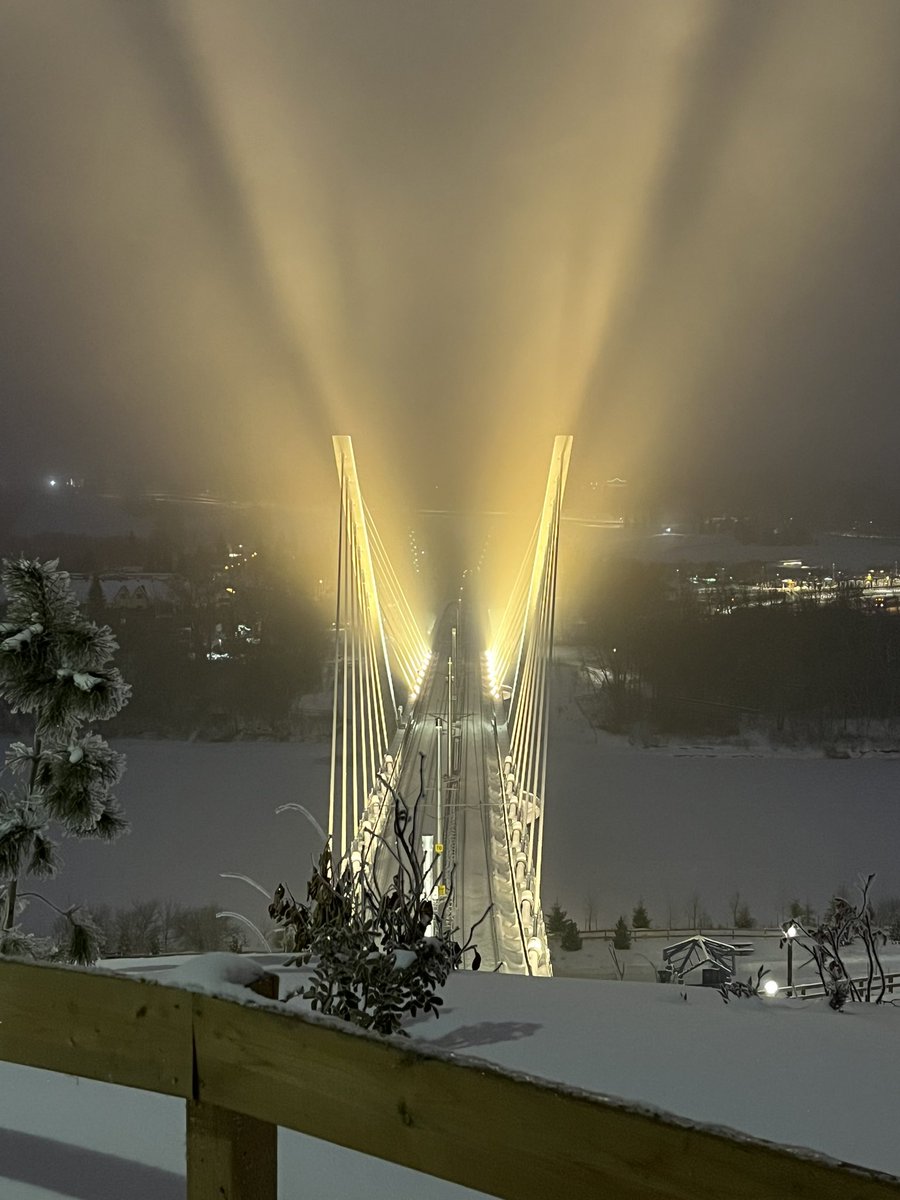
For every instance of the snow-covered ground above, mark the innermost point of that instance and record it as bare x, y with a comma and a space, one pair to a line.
789, 1071
684, 821
644, 958
623, 823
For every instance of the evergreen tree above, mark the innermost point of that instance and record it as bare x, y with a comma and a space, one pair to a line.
571, 938
622, 936
640, 919
555, 920
744, 919
55, 666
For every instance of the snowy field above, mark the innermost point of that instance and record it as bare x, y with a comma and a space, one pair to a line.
671, 824
623, 823
789, 1071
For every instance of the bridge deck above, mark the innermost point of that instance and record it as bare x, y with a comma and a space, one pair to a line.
475, 863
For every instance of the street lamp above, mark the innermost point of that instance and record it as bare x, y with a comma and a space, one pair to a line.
791, 930
439, 815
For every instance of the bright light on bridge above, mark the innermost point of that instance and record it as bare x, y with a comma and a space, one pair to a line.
420, 675
491, 668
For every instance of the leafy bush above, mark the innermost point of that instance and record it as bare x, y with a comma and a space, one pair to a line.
735, 987
376, 955
843, 924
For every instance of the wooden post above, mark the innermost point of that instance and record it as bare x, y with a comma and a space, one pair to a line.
231, 1156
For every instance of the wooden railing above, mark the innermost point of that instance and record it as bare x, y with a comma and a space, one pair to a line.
810, 990
675, 932
244, 1070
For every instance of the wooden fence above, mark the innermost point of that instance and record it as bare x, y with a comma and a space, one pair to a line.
810, 990
244, 1070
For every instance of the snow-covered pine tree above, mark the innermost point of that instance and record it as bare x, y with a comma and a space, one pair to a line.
55, 666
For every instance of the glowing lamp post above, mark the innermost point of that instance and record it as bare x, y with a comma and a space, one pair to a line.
791, 931
439, 815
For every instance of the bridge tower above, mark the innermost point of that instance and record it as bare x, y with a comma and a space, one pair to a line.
482, 805
521, 653
376, 638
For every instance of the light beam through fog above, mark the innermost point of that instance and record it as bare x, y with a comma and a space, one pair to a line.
451, 230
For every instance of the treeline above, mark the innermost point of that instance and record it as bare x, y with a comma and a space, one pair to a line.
150, 927
247, 688
254, 690
885, 914
213, 664
670, 662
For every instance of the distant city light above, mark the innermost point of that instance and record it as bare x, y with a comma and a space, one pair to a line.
53, 482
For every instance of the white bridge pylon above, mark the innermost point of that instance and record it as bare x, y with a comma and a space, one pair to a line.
520, 656
376, 638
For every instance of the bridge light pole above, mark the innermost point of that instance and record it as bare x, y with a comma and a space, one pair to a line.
428, 878
790, 932
439, 818
450, 715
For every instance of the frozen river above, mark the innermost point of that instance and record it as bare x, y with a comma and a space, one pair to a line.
622, 823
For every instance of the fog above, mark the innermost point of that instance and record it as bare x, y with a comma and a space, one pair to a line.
452, 230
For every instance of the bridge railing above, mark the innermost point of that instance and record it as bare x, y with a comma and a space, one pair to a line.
244, 1070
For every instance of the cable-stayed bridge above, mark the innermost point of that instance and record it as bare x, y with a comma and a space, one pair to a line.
470, 734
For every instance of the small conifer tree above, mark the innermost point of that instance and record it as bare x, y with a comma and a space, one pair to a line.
622, 935
555, 920
56, 667
571, 938
640, 918
744, 919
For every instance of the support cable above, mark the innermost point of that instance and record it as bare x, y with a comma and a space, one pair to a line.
337, 650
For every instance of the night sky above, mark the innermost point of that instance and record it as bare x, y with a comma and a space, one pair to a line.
229, 229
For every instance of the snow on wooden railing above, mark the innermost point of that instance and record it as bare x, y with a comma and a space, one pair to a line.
245, 1068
